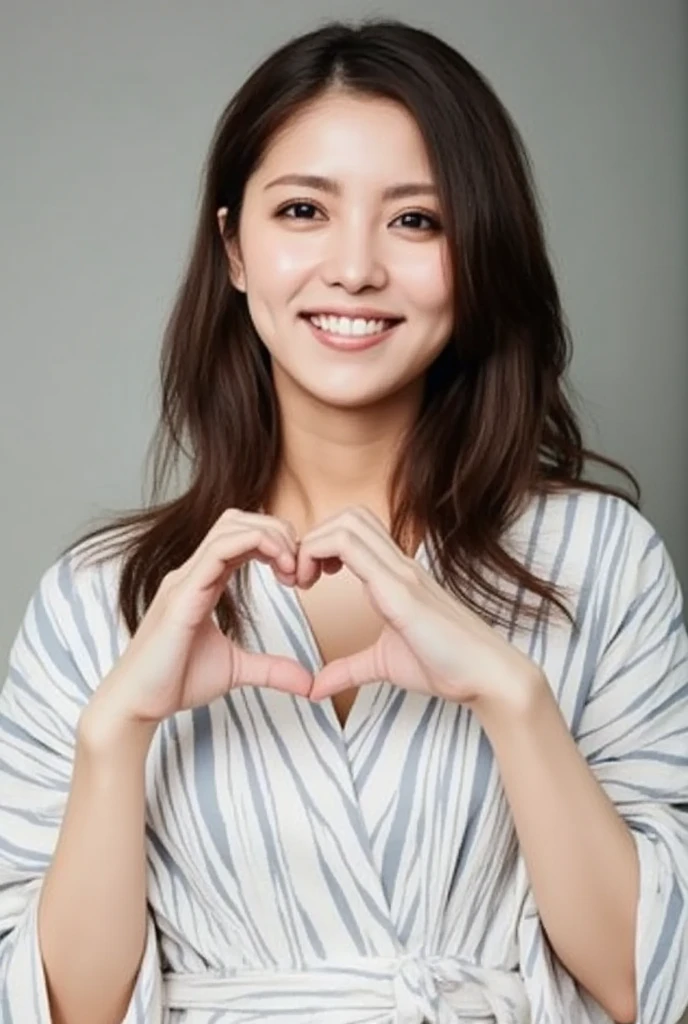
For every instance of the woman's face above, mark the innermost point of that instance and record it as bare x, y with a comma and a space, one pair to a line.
305, 247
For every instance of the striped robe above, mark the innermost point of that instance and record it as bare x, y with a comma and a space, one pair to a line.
306, 873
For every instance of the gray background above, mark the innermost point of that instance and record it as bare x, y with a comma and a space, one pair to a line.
106, 116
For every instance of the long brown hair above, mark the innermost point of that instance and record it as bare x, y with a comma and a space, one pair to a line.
495, 427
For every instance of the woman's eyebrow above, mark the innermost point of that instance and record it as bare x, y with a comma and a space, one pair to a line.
317, 181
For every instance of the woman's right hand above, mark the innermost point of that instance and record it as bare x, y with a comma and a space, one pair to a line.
179, 658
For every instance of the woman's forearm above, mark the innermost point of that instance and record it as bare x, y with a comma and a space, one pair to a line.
579, 853
92, 908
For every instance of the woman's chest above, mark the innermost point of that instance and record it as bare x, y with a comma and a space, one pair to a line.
258, 804
342, 621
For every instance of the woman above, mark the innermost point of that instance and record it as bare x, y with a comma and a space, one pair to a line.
384, 718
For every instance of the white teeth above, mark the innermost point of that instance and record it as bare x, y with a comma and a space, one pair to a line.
346, 326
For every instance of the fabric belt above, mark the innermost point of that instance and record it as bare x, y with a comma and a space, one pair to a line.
411, 989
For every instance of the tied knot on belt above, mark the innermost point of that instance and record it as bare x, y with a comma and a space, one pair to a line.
416, 991
412, 988
420, 985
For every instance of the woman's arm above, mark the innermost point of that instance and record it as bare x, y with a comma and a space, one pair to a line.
73, 915
580, 855
601, 806
92, 918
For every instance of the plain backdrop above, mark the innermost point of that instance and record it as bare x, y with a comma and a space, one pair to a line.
107, 111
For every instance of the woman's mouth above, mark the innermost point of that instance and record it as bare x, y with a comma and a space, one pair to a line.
349, 335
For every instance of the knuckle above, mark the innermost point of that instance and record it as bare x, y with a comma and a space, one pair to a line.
346, 535
229, 515
217, 545
169, 581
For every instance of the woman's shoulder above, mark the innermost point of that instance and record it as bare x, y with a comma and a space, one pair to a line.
74, 607
69, 637
576, 528
85, 576
607, 556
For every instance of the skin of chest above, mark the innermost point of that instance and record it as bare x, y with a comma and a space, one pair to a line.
342, 621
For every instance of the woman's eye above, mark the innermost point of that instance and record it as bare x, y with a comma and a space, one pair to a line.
434, 224
295, 206
431, 222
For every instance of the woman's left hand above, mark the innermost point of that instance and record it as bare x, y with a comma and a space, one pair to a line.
430, 643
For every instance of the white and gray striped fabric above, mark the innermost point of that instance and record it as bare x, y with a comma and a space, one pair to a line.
301, 873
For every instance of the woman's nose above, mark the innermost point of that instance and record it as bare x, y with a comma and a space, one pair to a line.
354, 261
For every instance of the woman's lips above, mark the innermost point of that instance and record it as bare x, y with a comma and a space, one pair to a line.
351, 342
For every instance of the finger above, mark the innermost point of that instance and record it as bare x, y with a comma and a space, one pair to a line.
197, 592
233, 520
285, 525
360, 552
284, 568
270, 670
264, 543
363, 524
343, 673
361, 512
409, 533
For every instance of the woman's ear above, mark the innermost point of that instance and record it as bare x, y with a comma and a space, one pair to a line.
236, 273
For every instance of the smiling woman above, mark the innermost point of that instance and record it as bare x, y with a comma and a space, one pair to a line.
384, 719
313, 242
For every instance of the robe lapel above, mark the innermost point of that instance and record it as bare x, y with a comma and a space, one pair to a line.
307, 756
381, 782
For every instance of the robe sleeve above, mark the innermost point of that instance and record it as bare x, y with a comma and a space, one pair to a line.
53, 667
633, 732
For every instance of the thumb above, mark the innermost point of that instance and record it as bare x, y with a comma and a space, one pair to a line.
279, 673
343, 673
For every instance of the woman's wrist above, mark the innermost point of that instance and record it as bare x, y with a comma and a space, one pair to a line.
105, 729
